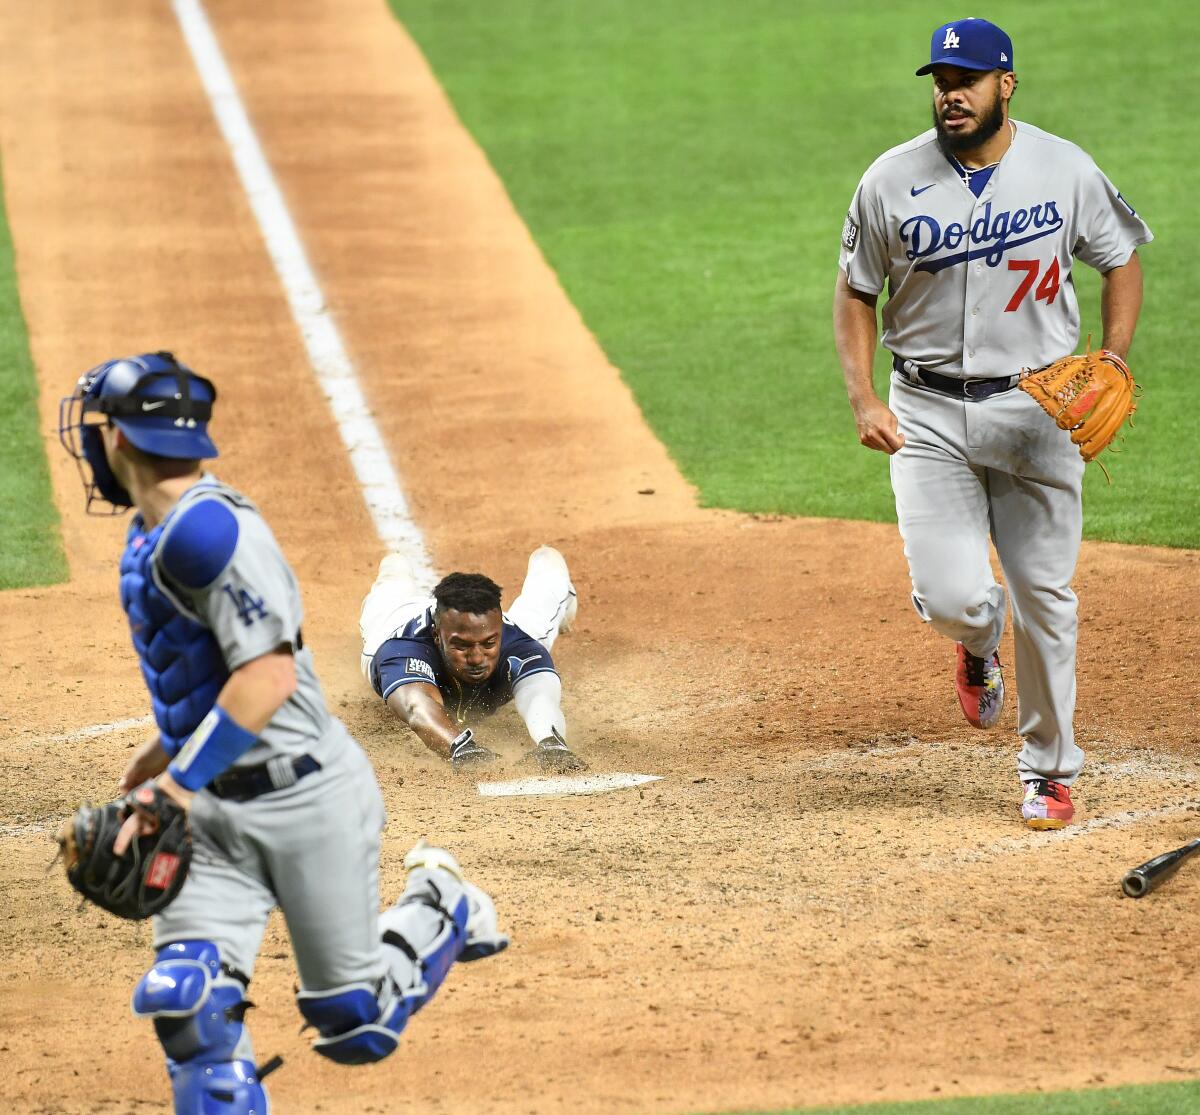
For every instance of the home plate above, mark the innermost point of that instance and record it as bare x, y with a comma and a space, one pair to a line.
565, 784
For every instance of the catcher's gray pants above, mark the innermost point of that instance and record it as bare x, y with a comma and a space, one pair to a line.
313, 848
1000, 467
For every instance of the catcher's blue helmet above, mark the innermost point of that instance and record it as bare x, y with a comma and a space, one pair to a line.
159, 404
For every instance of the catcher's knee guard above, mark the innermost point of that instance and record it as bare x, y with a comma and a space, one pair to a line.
197, 1011
358, 1023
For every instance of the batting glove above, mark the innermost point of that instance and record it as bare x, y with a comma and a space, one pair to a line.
465, 752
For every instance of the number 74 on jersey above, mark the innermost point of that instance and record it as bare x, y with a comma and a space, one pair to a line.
1047, 288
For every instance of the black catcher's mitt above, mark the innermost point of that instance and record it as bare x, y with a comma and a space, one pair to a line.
149, 875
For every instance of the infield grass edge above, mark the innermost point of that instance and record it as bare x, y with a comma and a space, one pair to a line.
31, 551
1175, 1098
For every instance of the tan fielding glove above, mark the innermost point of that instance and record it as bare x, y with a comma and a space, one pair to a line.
1088, 395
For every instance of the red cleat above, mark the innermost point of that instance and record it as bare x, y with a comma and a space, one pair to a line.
1047, 804
980, 683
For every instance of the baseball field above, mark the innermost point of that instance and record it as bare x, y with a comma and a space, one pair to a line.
581, 259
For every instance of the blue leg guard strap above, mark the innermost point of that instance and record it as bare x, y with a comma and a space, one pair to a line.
197, 1011
357, 1023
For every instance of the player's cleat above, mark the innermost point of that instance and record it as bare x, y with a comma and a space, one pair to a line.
483, 936
1047, 804
980, 684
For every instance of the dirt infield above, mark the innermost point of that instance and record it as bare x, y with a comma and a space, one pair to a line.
827, 898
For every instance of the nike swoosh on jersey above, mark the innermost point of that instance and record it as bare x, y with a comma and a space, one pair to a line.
915, 192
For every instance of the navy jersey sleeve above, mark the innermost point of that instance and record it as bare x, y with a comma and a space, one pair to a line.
401, 662
523, 656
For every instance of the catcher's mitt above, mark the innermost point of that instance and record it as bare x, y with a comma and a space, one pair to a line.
151, 872
1088, 395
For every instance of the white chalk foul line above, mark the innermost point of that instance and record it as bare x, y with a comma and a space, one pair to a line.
368, 454
565, 784
326, 352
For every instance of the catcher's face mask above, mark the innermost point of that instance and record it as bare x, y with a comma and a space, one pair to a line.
80, 429
161, 406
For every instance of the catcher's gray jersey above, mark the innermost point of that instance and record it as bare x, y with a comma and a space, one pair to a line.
980, 287
251, 605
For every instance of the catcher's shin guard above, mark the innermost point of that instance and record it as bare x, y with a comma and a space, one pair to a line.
424, 933
197, 1011
358, 1023
440, 918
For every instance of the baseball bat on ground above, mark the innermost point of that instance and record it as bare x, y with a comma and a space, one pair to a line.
1142, 880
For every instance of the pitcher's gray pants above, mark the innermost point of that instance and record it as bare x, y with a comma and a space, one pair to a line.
997, 467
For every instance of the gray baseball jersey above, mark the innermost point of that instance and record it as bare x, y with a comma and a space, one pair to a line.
977, 266
250, 605
980, 287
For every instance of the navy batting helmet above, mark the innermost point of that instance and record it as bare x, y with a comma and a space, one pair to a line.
159, 404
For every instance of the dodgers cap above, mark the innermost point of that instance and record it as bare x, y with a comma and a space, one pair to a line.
971, 44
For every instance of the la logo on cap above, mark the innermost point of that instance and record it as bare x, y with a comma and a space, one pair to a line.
950, 42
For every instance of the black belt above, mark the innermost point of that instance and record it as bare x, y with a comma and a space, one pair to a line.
245, 783
948, 385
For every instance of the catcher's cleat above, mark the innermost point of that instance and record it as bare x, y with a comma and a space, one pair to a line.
980, 684
483, 934
1047, 804
430, 856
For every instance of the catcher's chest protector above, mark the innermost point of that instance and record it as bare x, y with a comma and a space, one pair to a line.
181, 661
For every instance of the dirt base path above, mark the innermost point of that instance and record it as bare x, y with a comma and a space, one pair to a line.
828, 896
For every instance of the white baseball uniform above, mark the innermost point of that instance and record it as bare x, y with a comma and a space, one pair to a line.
980, 287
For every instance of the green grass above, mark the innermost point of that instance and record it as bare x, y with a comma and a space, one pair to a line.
30, 549
685, 166
1155, 1099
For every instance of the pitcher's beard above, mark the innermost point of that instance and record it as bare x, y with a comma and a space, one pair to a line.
953, 144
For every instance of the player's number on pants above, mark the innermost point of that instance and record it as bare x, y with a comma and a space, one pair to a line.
1047, 289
